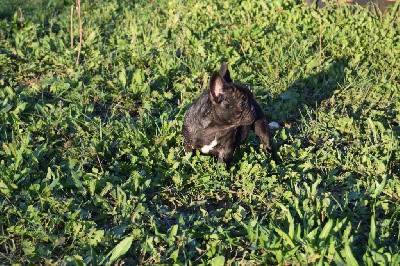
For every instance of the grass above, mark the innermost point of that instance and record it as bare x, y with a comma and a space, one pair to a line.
92, 169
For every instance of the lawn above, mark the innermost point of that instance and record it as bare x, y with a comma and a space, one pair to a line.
92, 168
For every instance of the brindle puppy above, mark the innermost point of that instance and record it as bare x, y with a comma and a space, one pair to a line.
220, 119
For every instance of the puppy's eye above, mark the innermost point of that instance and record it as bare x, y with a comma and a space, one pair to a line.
227, 105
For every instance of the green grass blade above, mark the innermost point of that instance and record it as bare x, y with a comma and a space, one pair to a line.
350, 259
120, 249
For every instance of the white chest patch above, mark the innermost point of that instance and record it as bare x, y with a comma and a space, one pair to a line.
207, 148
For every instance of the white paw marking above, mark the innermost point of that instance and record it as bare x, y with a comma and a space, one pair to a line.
274, 125
207, 148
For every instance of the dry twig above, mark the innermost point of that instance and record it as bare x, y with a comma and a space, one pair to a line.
72, 26
78, 11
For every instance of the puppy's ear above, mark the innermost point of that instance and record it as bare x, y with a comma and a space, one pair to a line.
217, 84
225, 73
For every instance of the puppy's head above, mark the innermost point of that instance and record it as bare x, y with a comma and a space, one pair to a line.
231, 103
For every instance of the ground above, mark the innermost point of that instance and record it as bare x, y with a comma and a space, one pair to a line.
92, 168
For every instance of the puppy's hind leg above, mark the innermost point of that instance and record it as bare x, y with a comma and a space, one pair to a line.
262, 131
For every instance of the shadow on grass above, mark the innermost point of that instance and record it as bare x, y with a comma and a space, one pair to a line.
310, 93
307, 92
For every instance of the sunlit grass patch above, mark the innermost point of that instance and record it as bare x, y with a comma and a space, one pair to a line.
92, 169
